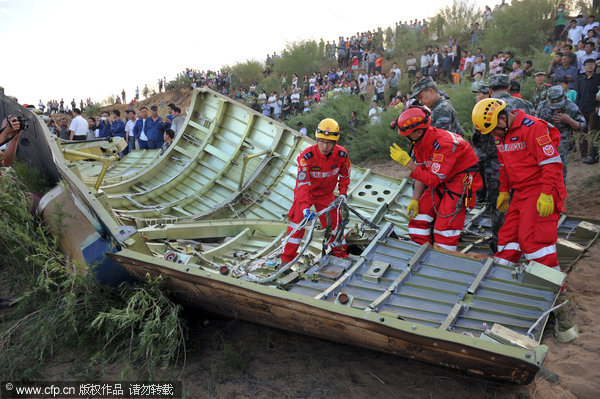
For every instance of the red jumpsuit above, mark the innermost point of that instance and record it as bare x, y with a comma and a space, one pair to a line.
445, 161
530, 164
318, 175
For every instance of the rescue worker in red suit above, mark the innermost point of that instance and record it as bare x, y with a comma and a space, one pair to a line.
446, 178
321, 167
530, 167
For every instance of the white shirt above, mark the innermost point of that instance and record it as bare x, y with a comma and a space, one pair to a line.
397, 71
470, 60
295, 98
302, 131
589, 27
373, 114
575, 34
479, 68
380, 85
424, 61
143, 136
177, 123
129, 128
79, 126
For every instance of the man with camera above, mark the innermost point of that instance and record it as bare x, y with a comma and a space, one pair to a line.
10, 133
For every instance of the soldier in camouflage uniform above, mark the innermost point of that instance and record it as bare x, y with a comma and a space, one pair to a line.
443, 115
565, 115
498, 85
539, 94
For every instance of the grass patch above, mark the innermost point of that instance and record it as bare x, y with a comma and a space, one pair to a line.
60, 309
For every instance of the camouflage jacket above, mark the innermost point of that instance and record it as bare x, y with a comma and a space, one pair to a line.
485, 145
539, 94
443, 116
570, 108
514, 103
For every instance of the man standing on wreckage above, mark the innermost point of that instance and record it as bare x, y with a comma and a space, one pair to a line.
321, 167
446, 178
530, 168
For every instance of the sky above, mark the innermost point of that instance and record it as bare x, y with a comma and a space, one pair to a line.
81, 48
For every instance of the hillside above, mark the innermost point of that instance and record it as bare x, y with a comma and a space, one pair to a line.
180, 97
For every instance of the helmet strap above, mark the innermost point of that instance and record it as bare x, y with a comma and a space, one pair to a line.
413, 142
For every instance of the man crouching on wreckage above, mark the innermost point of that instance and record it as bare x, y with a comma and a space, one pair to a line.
321, 167
446, 178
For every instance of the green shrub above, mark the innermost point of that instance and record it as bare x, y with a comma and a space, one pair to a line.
61, 309
455, 20
180, 81
302, 58
364, 142
245, 73
523, 26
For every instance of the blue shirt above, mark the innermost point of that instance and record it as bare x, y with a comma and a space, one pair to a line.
118, 128
138, 127
266, 109
104, 129
562, 73
154, 129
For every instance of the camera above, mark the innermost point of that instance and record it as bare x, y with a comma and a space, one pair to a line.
24, 123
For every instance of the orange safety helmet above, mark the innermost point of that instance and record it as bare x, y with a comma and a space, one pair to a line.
413, 118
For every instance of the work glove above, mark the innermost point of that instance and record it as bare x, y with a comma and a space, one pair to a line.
399, 155
502, 201
545, 205
413, 209
308, 214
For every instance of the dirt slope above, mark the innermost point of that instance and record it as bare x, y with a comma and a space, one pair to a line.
180, 97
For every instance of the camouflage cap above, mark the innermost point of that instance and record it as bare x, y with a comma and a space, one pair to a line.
556, 97
539, 72
499, 80
422, 85
482, 89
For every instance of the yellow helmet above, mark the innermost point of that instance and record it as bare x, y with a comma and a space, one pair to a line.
328, 129
485, 114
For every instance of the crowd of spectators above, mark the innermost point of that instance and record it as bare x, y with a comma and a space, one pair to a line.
359, 69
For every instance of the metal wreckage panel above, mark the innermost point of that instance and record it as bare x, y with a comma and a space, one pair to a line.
575, 235
131, 165
431, 288
231, 162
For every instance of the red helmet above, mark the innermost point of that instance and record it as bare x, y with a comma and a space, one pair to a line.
415, 117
